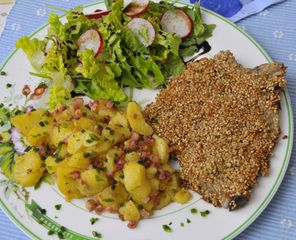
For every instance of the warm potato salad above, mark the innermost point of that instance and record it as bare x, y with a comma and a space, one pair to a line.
98, 151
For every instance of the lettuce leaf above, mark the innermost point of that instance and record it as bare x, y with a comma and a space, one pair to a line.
33, 48
56, 28
88, 67
58, 94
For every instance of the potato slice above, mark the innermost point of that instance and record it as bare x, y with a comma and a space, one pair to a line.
136, 120
134, 175
27, 169
161, 148
25, 122
130, 211
92, 181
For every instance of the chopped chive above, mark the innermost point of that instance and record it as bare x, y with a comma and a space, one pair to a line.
50, 232
87, 154
43, 211
188, 220
194, 211
61, 235
2, 73
182, 224
166, 228
93, 220
58, 206
170, 223
8, 85
204, 213
108, 200
98, 179
96, 234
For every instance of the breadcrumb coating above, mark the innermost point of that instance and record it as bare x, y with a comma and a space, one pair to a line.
223, 123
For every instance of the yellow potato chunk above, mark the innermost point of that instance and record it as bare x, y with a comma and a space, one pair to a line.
27, 169
25, 122
130, 211
111, 156
66, 184
183, 196
161, 148
165, 199
38, 134
113, 196
136, 120
119, 120
60, 133
84, 123
78, 161
116, 134
141, 194
132, 157
134, 175
92, 181
51, 164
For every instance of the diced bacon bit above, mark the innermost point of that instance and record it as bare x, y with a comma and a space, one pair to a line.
26, 90
132, 224
78, 102
155, 158
60, 108
164, 175
107, 119
75, 175
98, 164
135, 136
119, 163
99, 208
145, 154
148, 140
132, 144
144, 213
42, 150
109, 104
120, 216
110, 173
94, 105
91, 205
155, 165
78, 113
51, 151
111, 209
155, 197
89, 167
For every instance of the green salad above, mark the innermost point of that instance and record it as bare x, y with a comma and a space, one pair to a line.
140, 45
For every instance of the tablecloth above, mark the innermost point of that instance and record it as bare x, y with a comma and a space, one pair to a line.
274, 29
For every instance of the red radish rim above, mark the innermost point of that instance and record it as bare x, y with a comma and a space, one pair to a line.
186, 17
97, 15
99, 50
144, 8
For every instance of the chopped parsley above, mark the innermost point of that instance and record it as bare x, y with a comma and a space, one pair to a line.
108, 200
166, 228
2, 73
98, 179
96, 234
58, 206
93, 220
188, 220
194, 211
8, 85
204, 213
50, 232
182, 224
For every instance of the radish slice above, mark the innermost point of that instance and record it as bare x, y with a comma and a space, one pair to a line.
143, 30
91, 39
177, 22
97, 15
136, 7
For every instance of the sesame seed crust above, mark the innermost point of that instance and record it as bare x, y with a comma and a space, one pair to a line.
223, 122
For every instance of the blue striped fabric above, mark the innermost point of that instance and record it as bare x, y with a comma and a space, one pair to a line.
274, 29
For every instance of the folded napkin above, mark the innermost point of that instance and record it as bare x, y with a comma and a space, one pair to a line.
5, 7
235, 10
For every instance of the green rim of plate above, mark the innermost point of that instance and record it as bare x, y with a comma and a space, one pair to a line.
279, 178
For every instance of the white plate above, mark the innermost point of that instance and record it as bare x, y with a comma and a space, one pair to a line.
219, 224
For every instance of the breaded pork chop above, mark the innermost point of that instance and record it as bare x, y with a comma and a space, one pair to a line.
223, 122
